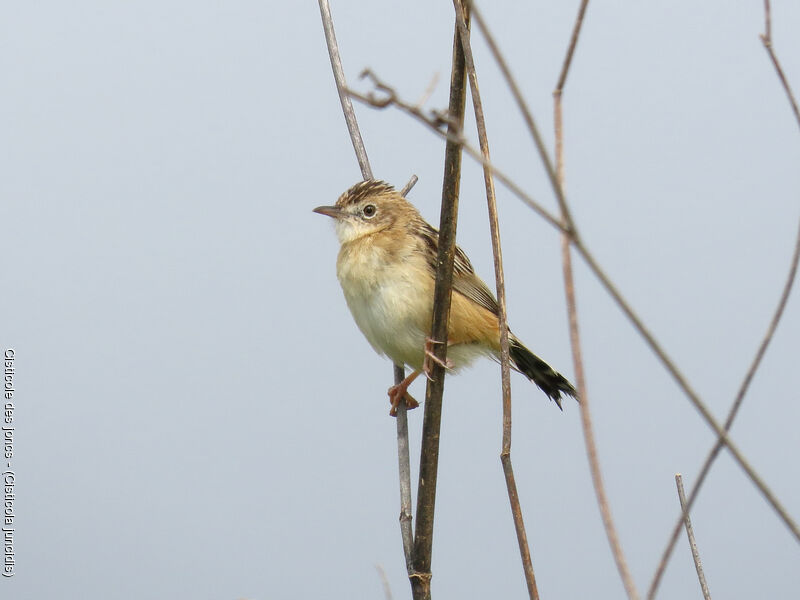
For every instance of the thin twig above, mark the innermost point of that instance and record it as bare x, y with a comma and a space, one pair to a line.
435, 120
766, 39
698, 565
403, 455
573, 43
494, 228
637, 323
714, 452
407, 187
399, 372
574, 330
527, 117
679, 378
404, 469
431, 424
387, 589
428, 90
341, 88
690, 393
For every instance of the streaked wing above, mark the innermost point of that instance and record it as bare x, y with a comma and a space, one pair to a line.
465, 281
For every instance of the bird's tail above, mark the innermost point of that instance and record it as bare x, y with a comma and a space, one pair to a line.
550, 381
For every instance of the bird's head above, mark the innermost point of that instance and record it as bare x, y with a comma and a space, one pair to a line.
367, 208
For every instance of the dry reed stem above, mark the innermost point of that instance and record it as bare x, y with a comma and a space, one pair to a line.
387, 589
714, 452
404, 470
431, 424
403, 453
698, 565
341, 88
404, 466
527, 116
677, 375
766, 39
505, 371
434, 123
574, 331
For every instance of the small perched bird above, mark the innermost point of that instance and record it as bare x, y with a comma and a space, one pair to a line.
387, 266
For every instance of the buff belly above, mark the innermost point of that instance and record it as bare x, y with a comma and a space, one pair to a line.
394, 314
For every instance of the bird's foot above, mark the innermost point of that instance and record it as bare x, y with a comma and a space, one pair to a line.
427, 367
399, 393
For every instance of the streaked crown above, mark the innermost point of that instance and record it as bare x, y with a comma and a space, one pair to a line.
363, 190
368, 208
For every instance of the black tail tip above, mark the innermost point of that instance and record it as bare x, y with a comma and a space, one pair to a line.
556, 386
550, 381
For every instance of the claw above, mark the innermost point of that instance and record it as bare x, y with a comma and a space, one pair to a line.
399, 393
430, 356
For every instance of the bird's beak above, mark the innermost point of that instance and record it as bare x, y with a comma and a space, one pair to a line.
331, 211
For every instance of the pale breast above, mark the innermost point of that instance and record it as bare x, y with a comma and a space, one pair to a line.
390, 300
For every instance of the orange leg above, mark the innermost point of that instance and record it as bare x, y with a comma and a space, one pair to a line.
399, 393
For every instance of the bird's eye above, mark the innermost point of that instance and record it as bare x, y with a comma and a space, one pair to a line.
369, 211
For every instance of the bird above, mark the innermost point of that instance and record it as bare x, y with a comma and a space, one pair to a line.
387, 266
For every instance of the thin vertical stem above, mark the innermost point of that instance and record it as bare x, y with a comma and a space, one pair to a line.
494, 228
698, 565
612, 290
573, 43
404, 469
766, 40
583, 394
574, 330
403, 455
404, 462
527, 116
341, 88
431, 424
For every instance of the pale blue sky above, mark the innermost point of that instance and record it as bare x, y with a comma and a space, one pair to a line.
199, 417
